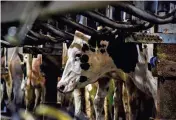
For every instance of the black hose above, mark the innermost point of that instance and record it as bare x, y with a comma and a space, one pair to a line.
78, 26
60, 33
145, 15
104, 20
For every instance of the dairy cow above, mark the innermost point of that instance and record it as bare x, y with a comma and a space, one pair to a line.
34, 80
87, 62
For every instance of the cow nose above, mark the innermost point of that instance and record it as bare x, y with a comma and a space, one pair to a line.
61, 88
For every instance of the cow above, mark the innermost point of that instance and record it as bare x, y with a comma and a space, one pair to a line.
88, 61
88, 94
101, 93
12, 77
34, 82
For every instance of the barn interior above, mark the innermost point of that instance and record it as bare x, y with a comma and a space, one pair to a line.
112, 76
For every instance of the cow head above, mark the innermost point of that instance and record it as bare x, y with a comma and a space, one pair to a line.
85, 64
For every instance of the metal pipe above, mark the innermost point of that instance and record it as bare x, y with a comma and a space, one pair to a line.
60, 33
40, 36
171, 13
29, 40
142, 14
104, 20
6, 44
31, 37
78, 26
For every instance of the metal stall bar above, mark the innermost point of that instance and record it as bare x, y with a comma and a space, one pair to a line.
78, 26
40, 11
129, 8
60, 33
104, 20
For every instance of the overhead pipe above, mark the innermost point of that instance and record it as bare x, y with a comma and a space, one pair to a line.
5, 44
171, 13
30, 40
58, 32
43, 37
129, 8
78, 26
39, 36
31, 37
104, 20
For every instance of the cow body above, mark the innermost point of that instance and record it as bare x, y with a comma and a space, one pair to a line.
34, 81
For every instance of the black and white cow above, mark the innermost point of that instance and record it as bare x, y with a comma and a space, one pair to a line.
88, 62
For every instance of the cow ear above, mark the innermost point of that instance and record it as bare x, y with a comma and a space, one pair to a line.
78, 55
85, 48
84, 58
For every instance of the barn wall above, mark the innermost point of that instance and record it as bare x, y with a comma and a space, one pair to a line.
166, 68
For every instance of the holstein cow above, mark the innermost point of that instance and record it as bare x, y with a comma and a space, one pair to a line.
77, 94
88, 93
86, 64
34, 82
103, 79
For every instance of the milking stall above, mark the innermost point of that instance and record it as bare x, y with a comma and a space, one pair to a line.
88, 60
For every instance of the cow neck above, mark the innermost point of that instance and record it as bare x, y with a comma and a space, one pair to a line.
104, 62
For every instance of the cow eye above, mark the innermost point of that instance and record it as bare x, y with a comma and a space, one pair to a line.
78, 55
76, 58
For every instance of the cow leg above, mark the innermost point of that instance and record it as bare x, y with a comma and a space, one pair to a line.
43, 92
28, 96
2, 88
37, 96
126, 102
9, 89
118, 103
17, 92
130, 99
78, 102
100, 97
88, 104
